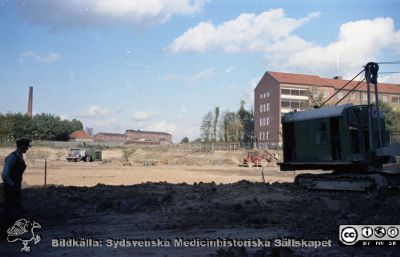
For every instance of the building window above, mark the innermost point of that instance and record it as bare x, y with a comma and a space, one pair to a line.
384, 98
262, 135
268, 94
285, 103
261, 108
263, 121
395, 99
364, 97
261, 96
352, 96
340, 95
297, 92
325, 94
320, 133
294, 104
267, 121
267, 107
267, 135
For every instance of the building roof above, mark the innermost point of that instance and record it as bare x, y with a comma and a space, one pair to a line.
80, 134
312, 80
111, 134
322, 113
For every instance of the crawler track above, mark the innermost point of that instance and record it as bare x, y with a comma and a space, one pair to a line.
349, 181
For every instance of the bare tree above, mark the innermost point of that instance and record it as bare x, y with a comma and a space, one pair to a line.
206, 127
90, 131
316, 97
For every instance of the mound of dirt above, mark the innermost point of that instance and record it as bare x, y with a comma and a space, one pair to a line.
208, 206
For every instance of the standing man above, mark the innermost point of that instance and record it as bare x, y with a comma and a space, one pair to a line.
14, 168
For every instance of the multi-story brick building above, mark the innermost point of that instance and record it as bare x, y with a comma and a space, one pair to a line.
278, 93
136, 137
139, 136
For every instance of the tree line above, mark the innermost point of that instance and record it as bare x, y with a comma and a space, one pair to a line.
228, 126
39, 127
238, 126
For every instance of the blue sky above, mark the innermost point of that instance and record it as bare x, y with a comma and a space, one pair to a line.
161, 65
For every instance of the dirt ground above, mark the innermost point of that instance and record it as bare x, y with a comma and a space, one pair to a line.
186, 197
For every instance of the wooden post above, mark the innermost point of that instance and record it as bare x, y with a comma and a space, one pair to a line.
262, 175
45, 173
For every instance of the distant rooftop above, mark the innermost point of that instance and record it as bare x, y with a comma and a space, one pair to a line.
80, 134
313, 80
111, 134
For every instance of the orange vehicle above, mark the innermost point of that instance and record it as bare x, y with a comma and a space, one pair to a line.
259, 159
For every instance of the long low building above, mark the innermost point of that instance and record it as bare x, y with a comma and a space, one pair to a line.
139, 137
110, 137
278, 93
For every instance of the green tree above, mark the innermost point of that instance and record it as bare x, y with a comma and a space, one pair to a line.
247, 120
392, 118
316, 96
39, 127
185, 140
127, 152
232, 127
228, 126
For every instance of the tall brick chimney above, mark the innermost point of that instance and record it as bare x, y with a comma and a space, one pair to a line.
30, 99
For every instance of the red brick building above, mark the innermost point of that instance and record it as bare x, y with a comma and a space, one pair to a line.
110, 137
141, 137
278, 93
136, 137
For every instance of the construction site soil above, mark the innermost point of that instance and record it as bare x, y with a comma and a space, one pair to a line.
181, 208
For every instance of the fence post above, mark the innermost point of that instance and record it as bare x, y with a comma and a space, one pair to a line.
45, 172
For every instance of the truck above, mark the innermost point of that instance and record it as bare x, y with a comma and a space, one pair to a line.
84, 154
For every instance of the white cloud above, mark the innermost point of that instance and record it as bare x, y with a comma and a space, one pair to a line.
248, 97
204, 74
106, 123
95, 111
200, 76
358, 43
272, 33
392, 78
230, 69
109, 125
87, 13
161, 126
192, 133
51, 57
248, 32
143, 115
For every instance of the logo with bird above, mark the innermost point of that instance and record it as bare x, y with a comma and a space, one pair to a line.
23, 230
